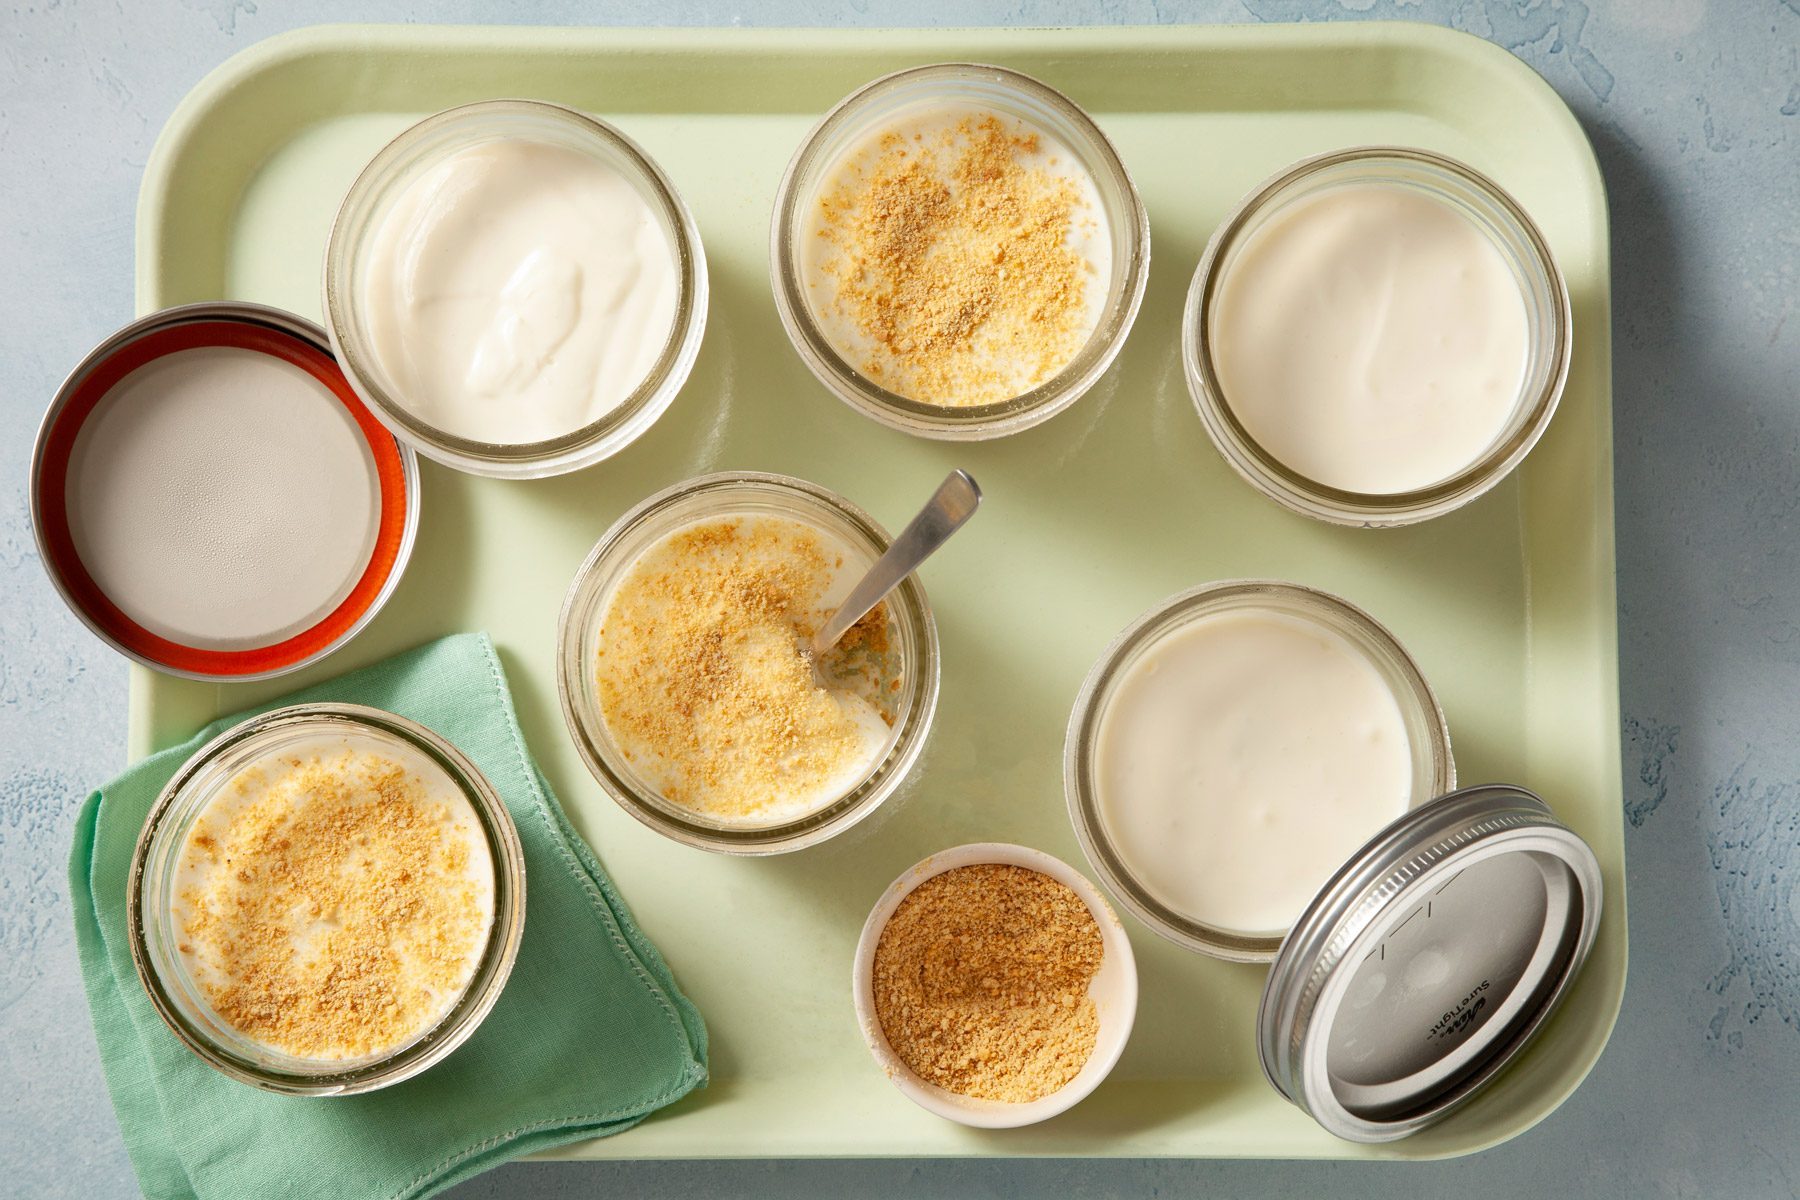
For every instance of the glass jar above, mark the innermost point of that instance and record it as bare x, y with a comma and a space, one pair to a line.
1008, 93
418, 149
151, 920
1428, 736
1497, 216
911, 627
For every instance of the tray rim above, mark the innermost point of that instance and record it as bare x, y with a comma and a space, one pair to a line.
184, 127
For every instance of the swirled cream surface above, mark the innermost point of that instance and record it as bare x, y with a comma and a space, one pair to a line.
1371, 337
1242, 759
517, 291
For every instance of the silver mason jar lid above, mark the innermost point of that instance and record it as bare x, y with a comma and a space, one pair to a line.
1427, 962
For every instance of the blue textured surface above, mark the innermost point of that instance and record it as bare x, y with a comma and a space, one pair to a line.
1694, 108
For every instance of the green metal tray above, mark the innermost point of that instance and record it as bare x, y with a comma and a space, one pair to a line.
1090, 519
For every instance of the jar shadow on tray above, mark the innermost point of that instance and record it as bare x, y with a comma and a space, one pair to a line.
839, 861
438, 585
1465, 568
1119, 1107
1008, 718
1484, 751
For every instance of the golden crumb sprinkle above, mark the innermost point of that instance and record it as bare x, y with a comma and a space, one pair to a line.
953, 256
981, 982
704, 683
330, 907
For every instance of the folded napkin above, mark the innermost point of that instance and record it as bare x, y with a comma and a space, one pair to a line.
590, 1036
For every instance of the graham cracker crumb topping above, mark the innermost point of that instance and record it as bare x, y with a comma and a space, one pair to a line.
952, 257
704, 684
331, 909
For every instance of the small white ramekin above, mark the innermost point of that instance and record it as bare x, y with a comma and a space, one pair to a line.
1114, 989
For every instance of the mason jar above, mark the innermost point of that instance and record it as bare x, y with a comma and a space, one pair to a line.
402, 162
913, 641
1497, 218
894, 98
153, 899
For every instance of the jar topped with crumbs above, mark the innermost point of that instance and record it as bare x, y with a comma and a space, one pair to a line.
326, 899
958, 252
688, 685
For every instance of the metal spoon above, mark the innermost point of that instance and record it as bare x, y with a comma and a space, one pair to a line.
948, 509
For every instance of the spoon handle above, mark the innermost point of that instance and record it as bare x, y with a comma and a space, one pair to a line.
948, 509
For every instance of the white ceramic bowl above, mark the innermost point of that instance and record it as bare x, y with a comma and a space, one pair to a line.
1114, 990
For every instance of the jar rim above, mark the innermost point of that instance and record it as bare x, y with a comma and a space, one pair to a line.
146, 903
357, 216
583, 607
1099, 157
1081, 794
1262, 469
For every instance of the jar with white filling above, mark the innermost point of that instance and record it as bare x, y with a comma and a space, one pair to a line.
687, 682
264, 890
1376, 336
1259, 772
1236, 745
515, 288
957, 251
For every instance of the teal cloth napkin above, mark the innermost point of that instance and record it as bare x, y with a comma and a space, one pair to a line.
590, 1035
